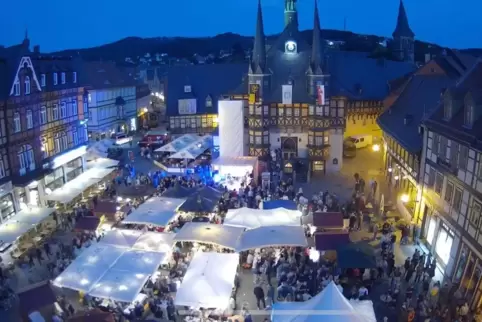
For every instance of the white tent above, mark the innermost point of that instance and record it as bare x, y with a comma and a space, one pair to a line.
156, 211
121, 237
272, 236
89, 267
222, 235
329, 304
99, 149
235, 166
155, 242
178, 144
254, 218
11, 230
195, 149
209, 281
139, 262
123, 286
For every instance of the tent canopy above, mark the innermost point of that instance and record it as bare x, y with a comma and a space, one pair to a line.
178, 144
156, 211
209, 281
155, 242
329, 305
272, 236
210, 193
121, 237
198, 203
254, 218
273, 204
11, 230
224, 236
195, 149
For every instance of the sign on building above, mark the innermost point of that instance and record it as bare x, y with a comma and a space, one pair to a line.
287, 94
187, 106
253, 93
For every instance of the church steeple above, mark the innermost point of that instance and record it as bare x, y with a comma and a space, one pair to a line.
316, 49
403, 28
403, 37
258, 60
291, 13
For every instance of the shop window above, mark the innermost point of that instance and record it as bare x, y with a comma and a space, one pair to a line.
443, 246
6, 207
431, 231
55, 179
318, 165
459, 272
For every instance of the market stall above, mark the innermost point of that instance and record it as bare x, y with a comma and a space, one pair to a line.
269, 236
235, 171
330, 305
178, 192
210, 193
221, 235
121, 237
198, 204
178, 144
157, 211
253, 218
209, 281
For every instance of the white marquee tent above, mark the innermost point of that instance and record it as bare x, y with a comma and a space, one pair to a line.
329, 305
272, 236
209, 281
254, 218
22, 222
178, 144
155, 242
222, 235
157, 211
195, 149
119, 286
121, 237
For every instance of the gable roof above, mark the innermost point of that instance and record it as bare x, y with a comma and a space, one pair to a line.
402, 119
205, 81
101, 75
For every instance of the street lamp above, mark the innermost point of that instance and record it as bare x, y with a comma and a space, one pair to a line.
376, 147
404, 198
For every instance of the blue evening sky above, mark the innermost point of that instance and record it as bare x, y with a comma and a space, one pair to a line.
62, 24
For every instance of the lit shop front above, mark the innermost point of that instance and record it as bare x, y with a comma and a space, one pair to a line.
442, 240
468, 275
65, 167
7, 205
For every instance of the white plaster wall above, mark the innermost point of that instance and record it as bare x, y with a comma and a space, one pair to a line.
275, 142
336, 151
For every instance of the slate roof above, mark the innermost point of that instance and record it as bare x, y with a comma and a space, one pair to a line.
471, 82
205, 80
421, 94
101, 75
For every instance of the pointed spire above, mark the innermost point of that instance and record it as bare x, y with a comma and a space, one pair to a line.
26, 34
403, 28
316, 50
258, 60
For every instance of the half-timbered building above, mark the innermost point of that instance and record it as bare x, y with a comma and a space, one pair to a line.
44, 114
299, 97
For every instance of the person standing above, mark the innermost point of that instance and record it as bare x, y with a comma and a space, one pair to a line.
259, 293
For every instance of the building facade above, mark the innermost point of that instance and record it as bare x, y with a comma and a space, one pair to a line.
299, 97
143, 105
111, 98
452, 184
412, 99
45, 111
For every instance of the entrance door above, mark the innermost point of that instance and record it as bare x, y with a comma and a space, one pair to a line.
289, 147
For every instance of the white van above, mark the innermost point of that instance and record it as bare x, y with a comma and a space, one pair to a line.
361, 141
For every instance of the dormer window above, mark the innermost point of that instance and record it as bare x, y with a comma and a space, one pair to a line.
43, 80
209, 102
27, 85
56, 79
187, 89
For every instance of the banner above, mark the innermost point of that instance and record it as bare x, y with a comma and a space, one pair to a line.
287, 94
253, 93
320, 94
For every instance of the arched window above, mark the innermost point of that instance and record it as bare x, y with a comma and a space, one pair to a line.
27, 85
17, 126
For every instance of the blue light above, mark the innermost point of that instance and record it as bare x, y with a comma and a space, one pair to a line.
217, 178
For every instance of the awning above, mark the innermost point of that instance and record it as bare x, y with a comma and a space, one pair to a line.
33, 215
178, 192
195, 149
155, 242
210, 193
178, 144
209, 281
11, 230
254, 218
272, 236
221, 235
121, 237
156, 211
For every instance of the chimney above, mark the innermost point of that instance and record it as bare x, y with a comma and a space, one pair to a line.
427, 57
36, 49
408, 119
